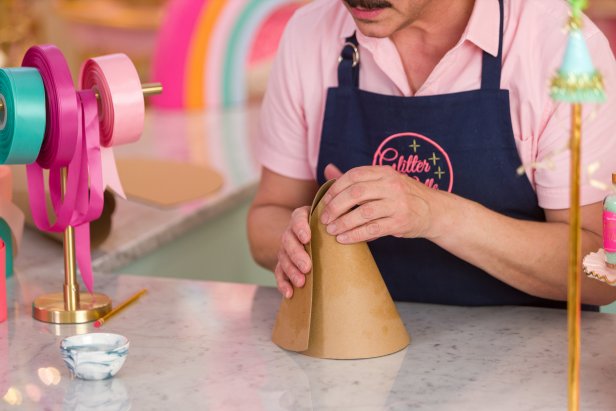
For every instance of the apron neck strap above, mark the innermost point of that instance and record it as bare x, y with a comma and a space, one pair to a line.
491, 66
348, 63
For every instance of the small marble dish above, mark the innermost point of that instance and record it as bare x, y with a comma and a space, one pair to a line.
94, 356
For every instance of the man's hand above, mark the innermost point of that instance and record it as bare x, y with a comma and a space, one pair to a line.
278, 228
376, 201
293, 260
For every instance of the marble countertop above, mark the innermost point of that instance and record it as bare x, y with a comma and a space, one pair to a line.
205, 345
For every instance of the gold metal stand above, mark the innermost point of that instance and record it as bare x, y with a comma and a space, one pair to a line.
575, 251
71, 306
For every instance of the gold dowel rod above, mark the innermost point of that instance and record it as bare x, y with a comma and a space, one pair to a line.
575, 251
71, 287
148, 89
70, 307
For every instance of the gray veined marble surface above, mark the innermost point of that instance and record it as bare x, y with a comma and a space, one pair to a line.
199, 345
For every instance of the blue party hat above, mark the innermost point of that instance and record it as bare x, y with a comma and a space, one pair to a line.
577, 80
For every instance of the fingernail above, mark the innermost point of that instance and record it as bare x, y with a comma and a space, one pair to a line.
287, 295
331, 229
326, 198
325, 218
342, 238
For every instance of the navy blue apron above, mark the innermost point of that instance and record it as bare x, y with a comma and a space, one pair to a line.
459, 142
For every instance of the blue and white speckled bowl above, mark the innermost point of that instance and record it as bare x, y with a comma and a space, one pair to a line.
94, 356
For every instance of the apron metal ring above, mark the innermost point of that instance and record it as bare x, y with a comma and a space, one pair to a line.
355, 53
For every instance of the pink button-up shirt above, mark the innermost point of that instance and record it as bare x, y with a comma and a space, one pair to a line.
533, 48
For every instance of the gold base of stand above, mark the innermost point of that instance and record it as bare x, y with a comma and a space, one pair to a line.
50, 308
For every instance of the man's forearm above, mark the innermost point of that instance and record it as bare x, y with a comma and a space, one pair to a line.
530, 256
266, 223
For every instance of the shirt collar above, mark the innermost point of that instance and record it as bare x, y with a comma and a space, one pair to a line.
348, 24
483, 27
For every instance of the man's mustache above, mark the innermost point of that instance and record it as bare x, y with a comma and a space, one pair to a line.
368, 4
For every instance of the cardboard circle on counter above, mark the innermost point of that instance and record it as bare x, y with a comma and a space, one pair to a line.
166, 183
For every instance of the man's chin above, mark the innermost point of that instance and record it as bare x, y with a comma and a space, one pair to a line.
373, 29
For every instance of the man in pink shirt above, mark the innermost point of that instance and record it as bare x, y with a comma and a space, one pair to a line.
423, 110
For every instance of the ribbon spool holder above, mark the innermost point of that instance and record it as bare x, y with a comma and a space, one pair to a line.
71, 306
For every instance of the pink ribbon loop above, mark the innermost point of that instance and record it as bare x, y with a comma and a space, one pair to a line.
90, 200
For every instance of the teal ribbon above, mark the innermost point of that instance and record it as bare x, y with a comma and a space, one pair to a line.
7, 237
23, 120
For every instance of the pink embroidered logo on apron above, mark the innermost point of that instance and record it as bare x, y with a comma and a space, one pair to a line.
418, 157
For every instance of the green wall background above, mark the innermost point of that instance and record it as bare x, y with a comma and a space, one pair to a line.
216, 250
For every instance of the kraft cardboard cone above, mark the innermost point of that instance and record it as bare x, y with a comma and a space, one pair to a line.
99, 229
166, 183
344, 311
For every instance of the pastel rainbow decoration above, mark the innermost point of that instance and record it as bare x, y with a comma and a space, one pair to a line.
205, 48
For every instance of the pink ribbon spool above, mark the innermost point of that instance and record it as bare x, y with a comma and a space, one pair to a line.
121, 107
60, 142
61, 130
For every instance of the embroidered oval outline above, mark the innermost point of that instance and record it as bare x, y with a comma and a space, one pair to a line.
379, 151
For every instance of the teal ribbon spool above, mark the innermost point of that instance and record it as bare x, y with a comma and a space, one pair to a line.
7, 237
23, 119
